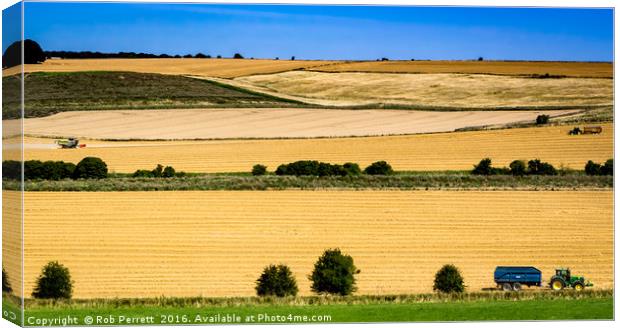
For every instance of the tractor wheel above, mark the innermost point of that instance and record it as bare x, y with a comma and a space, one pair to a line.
506, 287
557, 284
578, 286
516, 286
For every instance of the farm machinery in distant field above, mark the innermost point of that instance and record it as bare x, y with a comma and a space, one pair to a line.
69, 143
513, 278
586, 130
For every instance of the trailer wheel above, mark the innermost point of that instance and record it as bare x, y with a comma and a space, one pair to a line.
557, 284
516, 286
506, 287
578, 286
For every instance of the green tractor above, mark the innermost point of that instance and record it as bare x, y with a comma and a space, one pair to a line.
563, 279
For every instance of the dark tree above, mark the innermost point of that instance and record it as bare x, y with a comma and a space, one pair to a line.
33, 54
54, 282
200, 55
188, 56
518, 168
238, 56
537, 167
219, 56
6, 285
293, 58
259, 169
608, 167
483, 168
593, 168
379, 168
542, 119
276, 280
168, 172
91, 168
158, 170
449, 280
480, 59
334, 273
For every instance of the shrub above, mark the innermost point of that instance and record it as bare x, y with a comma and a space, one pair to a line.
316, 168
48, 170
352, 169
518, 168
6, 285
536, 167
608, 167
483, 167
598, 169
334, 273
168, 172
238, 56
379, 168
593, 168
91, 168
201, 55
276, 280
12, 170
143, 174
259, 169
542, 119
54, 282
157, 171
449, 280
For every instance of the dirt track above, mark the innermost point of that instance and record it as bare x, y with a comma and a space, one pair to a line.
262, 123
139, 244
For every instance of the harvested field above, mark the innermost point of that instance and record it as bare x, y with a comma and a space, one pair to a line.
263, 123
11, 238
149, 244
454, 91
442, 151
226, 68
573, 69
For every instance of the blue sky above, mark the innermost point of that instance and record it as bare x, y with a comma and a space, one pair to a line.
324, 32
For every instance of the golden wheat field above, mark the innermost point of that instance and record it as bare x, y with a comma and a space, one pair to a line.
11, 238
441, 151
179, 124
149, 244
575, 69
462, 91
226, 68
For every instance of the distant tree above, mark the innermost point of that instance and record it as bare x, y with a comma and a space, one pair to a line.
276, 280
33, 54
219, 56
54, 282
518, 168
200, 55
168, 172
238, 56
593, 168
379, 168
334, 273
352, 169
91, 168
385, 59
480, 59
164, 56
293, 58
6, 285
12, 170
449, 280
188, 56
483, 167
608, 167
259, 169
177, 56
158, 170
143, 174
542, 119
277, 58
537, 167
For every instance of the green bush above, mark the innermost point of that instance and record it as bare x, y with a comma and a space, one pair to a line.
316, 168
168, 172
542, 119
449, 280
54, 282
334, 273
143, 174
518, 168
276, 280
483, 168
379, 168
11, 170
536, 167
91, 168
259, 169
352, 168
157, 171
598, 169
6, 285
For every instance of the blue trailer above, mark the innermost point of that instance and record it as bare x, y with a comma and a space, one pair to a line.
513, 278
